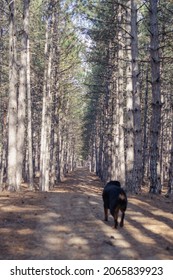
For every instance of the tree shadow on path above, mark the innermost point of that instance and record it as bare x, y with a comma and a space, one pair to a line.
67, 223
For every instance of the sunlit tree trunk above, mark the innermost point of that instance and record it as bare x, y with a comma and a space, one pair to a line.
21, 131
43, 122
121, 102
56, 96
156, 98
29, 102
129, 104
12, 106
46, 109
137, 169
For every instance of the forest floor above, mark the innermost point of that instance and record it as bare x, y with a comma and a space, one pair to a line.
67, 224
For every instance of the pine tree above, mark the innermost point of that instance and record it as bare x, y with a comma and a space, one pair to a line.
12, 106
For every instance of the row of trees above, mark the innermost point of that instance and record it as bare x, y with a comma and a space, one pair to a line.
40, 92
128, 131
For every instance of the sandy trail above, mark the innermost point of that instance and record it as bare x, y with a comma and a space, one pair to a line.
67, 223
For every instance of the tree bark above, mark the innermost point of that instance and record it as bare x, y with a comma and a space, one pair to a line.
156, 99
21, 129
137, 169
47, 107
129, 104
29, 102
121, 101
12, 106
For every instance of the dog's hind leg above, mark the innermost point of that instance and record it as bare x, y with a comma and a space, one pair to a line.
106, 213
122, 218
116, 217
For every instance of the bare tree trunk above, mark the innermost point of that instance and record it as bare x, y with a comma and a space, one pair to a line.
53, 156
145, 127
22, 96
29, 108
170, 181
121, 102
12, 106
129, 104
137, 170
156, 99
115, 135
108, 134
46, 125
46, 160
4, 149
114, 117
60, 152
43, 122
46, 111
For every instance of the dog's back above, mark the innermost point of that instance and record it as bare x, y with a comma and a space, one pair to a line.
115, 199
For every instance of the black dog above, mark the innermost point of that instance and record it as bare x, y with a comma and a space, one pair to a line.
115, 199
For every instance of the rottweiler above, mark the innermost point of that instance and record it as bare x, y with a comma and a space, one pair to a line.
114, 199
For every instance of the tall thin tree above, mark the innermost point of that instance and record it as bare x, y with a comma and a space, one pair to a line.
21, 126
12, 105
156, 98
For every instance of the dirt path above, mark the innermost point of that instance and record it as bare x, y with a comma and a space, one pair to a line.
67, 223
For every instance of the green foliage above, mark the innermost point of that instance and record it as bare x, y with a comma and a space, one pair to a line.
101, 32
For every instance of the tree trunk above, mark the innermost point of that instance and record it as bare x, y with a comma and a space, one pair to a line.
129, 104
156, 99
29, 107
4, 148
121, 102
170, 181
46, 109
12, 106
137, 169
145, 128
22, 96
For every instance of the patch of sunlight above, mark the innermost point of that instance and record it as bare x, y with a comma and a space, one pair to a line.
52, 228
76, 240
25, 231
162, 213
80, 202
95, 193
137, 214
24, 209
129, 253
141, 219
139, 235
16, 249
4, 197
5, 230
127, 249
59, 190
61, 228
93, 203
53, 248
160, 228
52, 215
139, 202
122, 243
118, 240
48, 216
53, 240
